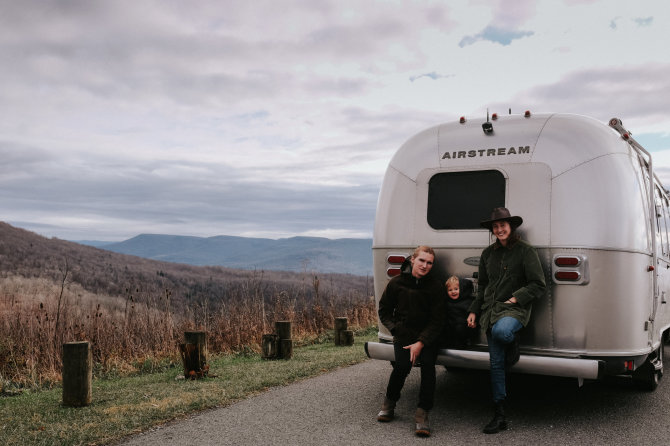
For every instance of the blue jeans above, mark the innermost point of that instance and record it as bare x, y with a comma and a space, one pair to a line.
499, 337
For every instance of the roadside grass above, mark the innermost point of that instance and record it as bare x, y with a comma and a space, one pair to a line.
123, 406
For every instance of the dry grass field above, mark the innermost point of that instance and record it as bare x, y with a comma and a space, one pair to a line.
134, 311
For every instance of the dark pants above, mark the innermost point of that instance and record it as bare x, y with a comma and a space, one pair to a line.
403, 366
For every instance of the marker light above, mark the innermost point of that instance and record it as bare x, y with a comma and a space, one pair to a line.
462, 120
494, 116
527, 114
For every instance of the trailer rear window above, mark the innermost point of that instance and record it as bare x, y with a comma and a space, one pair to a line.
460, 200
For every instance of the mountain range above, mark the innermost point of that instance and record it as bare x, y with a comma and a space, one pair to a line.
298, 254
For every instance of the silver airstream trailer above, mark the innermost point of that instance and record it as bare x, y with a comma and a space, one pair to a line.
592, 207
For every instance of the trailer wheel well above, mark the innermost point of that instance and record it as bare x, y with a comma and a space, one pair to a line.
648, 376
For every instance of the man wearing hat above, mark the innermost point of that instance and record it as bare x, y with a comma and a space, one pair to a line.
510, 278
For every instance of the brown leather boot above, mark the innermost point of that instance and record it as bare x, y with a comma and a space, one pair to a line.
422, 427
386, 413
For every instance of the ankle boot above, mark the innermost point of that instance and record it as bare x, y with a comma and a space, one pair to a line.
422, 427
498, 423
386, 413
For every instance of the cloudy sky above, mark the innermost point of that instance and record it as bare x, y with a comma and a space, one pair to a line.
277, 118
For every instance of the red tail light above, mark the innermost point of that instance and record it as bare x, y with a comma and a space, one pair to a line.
567, 261
392, 272
396, 259
571, 276
395, 262
570, 269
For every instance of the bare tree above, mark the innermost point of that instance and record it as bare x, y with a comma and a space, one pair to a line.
63, 283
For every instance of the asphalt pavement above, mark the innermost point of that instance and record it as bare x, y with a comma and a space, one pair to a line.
340, 407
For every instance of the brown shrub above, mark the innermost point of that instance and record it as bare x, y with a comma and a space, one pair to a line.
144, 326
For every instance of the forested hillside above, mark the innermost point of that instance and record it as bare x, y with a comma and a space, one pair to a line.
27, 254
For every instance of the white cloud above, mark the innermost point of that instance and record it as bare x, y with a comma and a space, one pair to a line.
278, 118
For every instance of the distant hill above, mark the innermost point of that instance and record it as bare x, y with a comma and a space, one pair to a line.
298, 254
24, 253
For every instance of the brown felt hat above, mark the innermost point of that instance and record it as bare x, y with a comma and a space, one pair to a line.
501, 214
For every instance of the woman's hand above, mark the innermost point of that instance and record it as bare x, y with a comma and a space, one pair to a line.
414, 350
472, 320
511, 300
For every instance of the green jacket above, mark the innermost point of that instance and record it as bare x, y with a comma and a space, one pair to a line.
504, 272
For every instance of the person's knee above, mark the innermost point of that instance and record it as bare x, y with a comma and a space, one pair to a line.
402, 369
502, 333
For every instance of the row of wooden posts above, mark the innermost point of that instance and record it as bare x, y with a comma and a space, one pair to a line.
78, 360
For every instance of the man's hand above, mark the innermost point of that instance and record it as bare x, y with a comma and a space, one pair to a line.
414, 350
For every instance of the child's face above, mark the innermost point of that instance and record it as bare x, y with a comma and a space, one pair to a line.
453, 291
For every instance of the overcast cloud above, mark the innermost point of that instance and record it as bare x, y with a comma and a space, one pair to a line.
277, 118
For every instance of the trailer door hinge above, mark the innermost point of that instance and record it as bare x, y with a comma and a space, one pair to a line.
647, 325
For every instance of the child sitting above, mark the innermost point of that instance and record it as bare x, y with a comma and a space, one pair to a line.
457, 333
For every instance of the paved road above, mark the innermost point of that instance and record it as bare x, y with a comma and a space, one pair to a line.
339, 408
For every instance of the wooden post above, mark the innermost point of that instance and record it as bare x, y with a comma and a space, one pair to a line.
347, 337
269, 346
77, 374
194, 354
283, 329
285, 337
286, 348
341, 324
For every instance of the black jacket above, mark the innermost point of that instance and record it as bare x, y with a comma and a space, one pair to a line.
457, 334
413, 309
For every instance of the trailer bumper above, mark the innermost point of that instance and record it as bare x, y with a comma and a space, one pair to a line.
536, 365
